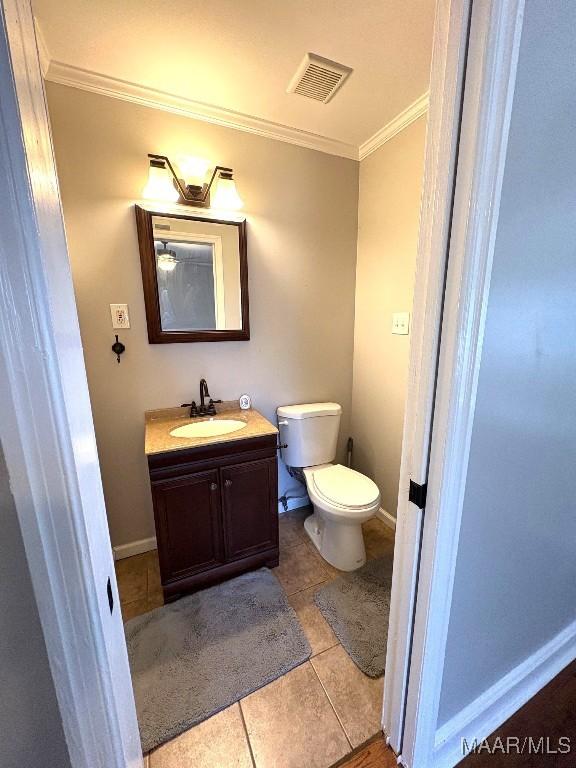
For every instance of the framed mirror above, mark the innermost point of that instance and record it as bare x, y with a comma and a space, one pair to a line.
195, 277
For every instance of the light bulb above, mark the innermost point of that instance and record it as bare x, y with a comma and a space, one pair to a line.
160, 185
226, 196
166, 263
193, 170
166, 258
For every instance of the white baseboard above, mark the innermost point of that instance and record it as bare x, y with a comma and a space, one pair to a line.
386, 518
134, 548
493, 707
295, 503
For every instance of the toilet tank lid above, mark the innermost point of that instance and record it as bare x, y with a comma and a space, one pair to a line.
308, 410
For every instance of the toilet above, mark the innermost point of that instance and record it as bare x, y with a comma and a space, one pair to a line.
342, 498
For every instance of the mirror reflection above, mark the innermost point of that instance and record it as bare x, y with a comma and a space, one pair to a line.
198, 274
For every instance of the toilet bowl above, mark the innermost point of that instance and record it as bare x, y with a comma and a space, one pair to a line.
342, 498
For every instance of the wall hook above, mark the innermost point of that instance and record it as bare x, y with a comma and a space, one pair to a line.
118, 348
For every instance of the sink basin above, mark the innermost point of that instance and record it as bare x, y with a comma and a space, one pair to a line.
211, 428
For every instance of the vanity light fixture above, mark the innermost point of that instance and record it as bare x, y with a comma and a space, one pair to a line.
226, 195
166, 258
198, 194
160, 185
193, 169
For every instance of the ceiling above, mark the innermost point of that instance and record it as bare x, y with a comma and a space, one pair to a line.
239, 55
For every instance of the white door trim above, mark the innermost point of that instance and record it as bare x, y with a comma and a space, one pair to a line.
46, 427
495, 31
482, 716
448, 62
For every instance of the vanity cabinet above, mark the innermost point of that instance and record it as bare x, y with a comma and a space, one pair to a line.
215, 510
248, 489
188, 529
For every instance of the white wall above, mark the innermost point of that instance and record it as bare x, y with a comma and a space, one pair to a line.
388, 217
515, 583
30, 724
301, 209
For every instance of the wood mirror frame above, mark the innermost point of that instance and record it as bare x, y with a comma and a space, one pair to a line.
156, 334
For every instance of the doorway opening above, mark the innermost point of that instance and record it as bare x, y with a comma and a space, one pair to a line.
319, 269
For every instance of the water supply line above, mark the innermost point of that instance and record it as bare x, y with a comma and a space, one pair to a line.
285, 498
349, 452
297, 474
294, 472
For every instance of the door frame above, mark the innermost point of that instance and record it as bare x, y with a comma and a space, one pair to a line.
46, 418
490, 76
442, 135
46, 427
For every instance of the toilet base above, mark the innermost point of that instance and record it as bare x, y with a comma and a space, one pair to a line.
340, 544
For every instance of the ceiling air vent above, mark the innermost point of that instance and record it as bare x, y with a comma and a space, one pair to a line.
318, 78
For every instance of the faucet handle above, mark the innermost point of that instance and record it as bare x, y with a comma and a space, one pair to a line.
192, 406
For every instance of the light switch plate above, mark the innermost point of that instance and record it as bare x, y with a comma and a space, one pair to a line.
401, 323
120, 316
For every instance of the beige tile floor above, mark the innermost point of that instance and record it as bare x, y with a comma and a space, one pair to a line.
311, 717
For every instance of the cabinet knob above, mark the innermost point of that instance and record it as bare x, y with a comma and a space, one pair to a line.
228, 483
213, 486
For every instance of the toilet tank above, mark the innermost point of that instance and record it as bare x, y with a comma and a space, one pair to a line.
310, 432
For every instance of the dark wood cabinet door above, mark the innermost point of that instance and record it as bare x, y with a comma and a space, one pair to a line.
188, 524
249, 492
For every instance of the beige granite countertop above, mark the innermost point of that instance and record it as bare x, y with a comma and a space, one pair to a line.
160, 423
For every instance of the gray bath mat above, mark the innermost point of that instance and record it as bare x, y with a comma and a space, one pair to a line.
357, 607
198, 655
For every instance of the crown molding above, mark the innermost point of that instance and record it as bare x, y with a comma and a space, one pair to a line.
94, 82
397, 124
65, 74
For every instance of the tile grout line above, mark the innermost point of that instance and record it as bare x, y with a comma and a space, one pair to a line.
314, 655
247, 734
340, 723
316, 584
306, 588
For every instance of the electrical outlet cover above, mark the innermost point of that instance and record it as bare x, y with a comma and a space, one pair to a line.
120, 316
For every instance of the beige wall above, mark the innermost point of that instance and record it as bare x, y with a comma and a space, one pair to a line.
388, 213
301, 208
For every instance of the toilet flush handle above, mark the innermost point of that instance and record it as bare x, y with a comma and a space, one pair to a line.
282, 445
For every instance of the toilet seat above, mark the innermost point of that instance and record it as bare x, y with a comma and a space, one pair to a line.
335, 528
344, 488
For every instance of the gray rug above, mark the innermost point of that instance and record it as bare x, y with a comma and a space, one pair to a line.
357, 607
194, 657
